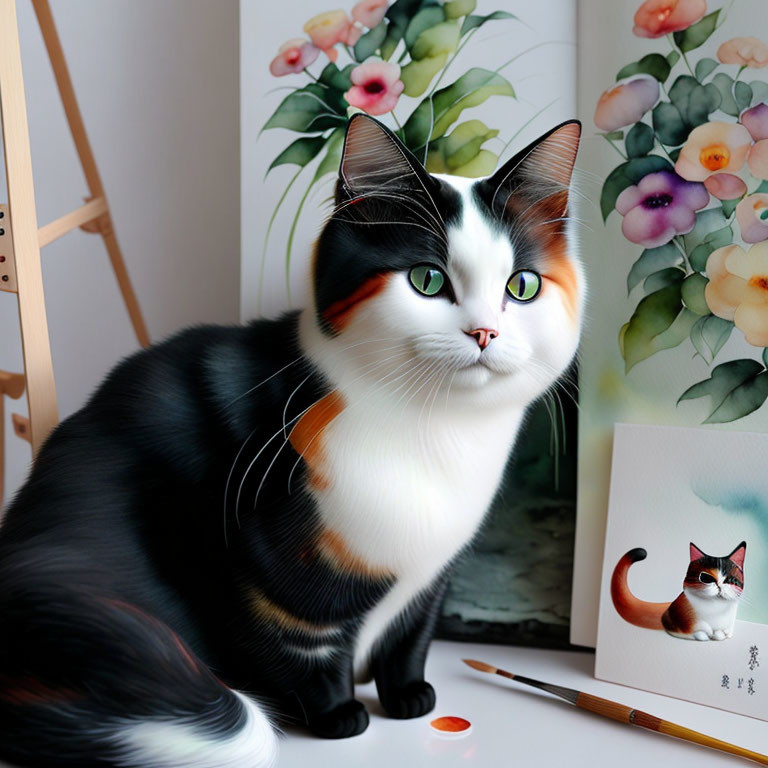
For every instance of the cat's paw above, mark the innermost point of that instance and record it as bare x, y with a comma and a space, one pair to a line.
348, 719
700, 635
412, 700
718, 634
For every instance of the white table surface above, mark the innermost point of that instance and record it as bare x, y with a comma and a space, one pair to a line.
517, 726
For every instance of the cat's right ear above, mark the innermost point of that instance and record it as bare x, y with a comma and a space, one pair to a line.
696, 553
738, 554
374, 159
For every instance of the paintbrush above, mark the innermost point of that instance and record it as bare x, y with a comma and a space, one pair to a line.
622, 713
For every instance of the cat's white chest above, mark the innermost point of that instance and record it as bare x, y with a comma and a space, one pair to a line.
406, 496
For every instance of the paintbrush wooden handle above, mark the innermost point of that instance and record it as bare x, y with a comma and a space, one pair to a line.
626, 714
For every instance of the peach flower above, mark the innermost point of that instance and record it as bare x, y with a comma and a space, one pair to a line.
738, 289
749, 213
725, 186
369, 12
327, 29
293, 57
713, 148
757, 159
354, 33
656, 18
376, 87
626, 102
744, 51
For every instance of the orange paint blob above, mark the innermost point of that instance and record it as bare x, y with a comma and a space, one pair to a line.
715, 157
451, 726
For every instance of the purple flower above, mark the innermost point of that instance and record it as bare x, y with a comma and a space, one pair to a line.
661, 206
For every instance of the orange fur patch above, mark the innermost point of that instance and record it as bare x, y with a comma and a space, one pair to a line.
332, 547
307, 436
339, 313
560, 271
266, 610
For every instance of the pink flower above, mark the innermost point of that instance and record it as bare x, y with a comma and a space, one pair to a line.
661, 206
755, 120
369, 12
656, 18
626, 102
749, 214
714, 147
757, 159
354, 33
376, 87
327, 29
293, 56
725, 186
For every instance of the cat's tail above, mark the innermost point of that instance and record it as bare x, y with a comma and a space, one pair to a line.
90, 680
637, 612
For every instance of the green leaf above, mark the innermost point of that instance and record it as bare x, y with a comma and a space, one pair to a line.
625, 175
427, 17
663, 278
331, 160
454, 9
709, 335
371, 41
673, 57
694, 101
698, 34
669, 124
299, 152
653, 64
729, 206
417, 75
473, 22
432, 118
720, 237
707, 224
705, 67
333, 77
436, 41
759, 91
743, 95
692, 294
724, 84
452, 153
614, 135
653, 316
652, 260
765, 357
639, 140
311, 108
399, 15
699, 256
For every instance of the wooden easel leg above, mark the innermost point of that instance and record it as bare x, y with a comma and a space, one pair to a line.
88, 162
38, 368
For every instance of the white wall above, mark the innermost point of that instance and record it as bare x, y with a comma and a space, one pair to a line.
543, 75
158, 86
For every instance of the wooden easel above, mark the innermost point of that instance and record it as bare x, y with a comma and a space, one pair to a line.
21, 240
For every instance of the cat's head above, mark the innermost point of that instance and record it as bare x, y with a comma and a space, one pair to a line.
716, 577
423, 281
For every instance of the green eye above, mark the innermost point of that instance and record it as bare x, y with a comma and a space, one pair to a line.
524, 285
427, 280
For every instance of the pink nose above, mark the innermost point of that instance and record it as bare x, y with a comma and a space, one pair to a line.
483, 336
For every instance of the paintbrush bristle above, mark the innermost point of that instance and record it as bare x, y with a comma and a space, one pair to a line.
480, 666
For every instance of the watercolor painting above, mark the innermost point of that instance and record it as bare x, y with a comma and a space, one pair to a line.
675, 237
685, 571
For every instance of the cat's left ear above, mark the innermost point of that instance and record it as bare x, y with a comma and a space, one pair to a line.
539, 176
696, 553
738, 554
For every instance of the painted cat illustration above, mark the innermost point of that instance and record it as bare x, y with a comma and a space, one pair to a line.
704, 610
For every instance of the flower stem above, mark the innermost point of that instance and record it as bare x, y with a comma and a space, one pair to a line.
292, 232
397, 123
610, 141
680, 247
311, 75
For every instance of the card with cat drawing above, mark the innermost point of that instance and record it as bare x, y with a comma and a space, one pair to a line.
683, 603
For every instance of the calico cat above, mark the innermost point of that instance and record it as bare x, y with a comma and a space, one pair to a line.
275, 508
704, 610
